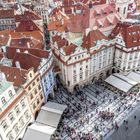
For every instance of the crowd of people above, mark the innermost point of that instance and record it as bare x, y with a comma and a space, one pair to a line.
80, 110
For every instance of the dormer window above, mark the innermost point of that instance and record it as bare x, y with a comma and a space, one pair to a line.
30, 75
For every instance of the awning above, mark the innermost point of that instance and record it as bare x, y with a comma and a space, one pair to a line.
39, 131
121, 82
46, 122
50, 114
134, 76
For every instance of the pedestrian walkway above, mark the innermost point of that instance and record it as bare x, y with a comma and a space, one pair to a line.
92, 112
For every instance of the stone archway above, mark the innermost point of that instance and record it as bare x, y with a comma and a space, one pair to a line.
107, 73
94, 79
101, 76
113, 70
76, 87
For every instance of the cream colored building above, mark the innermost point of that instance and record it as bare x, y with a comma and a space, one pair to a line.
15, 112
85, 59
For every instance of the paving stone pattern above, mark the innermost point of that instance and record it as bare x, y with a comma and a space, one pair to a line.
83, 112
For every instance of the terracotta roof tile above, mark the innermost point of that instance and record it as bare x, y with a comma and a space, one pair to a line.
11, 52
129, 32
69, 49
4, 37
27, 61
91, 39
15, 75
6, 13
27, 26
27, 39
29, 15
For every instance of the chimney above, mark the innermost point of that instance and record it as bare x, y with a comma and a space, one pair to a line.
2, 76
90, 4
28, 45
17, 64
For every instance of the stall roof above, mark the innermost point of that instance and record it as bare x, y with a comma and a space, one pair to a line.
121, 82
39, 131
134, 76
50, 114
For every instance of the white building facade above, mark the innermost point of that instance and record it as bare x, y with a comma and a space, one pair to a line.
15, 112
84, 62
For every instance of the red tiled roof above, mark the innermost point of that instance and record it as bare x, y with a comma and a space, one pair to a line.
29, 15
130, 34
9, 13
62, 42
69, 49
25, 39
91, 39
4, 37
1, 55
14, 74
36, 52
27, 26
27, 61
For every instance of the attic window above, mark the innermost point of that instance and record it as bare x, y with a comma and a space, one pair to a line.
31, 75
100, 26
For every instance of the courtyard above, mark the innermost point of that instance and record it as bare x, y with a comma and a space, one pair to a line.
94, 112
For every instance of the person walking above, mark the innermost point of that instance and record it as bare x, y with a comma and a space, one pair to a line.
134, 117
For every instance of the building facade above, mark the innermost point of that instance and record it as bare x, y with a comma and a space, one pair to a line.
7, 20
15, 112
86, 60
127, 54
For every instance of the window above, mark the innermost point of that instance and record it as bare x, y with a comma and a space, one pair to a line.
29, 88
39, 87
16, 129
22, 103
86, 66
21, 122
81, 76
11, 117
10, 136
99, 65
74, 79
38, 101
34, 106
3, 100
136, 55
80, 69
17, 110
4, 125
37, 79
30, 75
35, 91
27, 115
31, 96
74, 71
33, 83
41, 96
10, 94
130, 57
